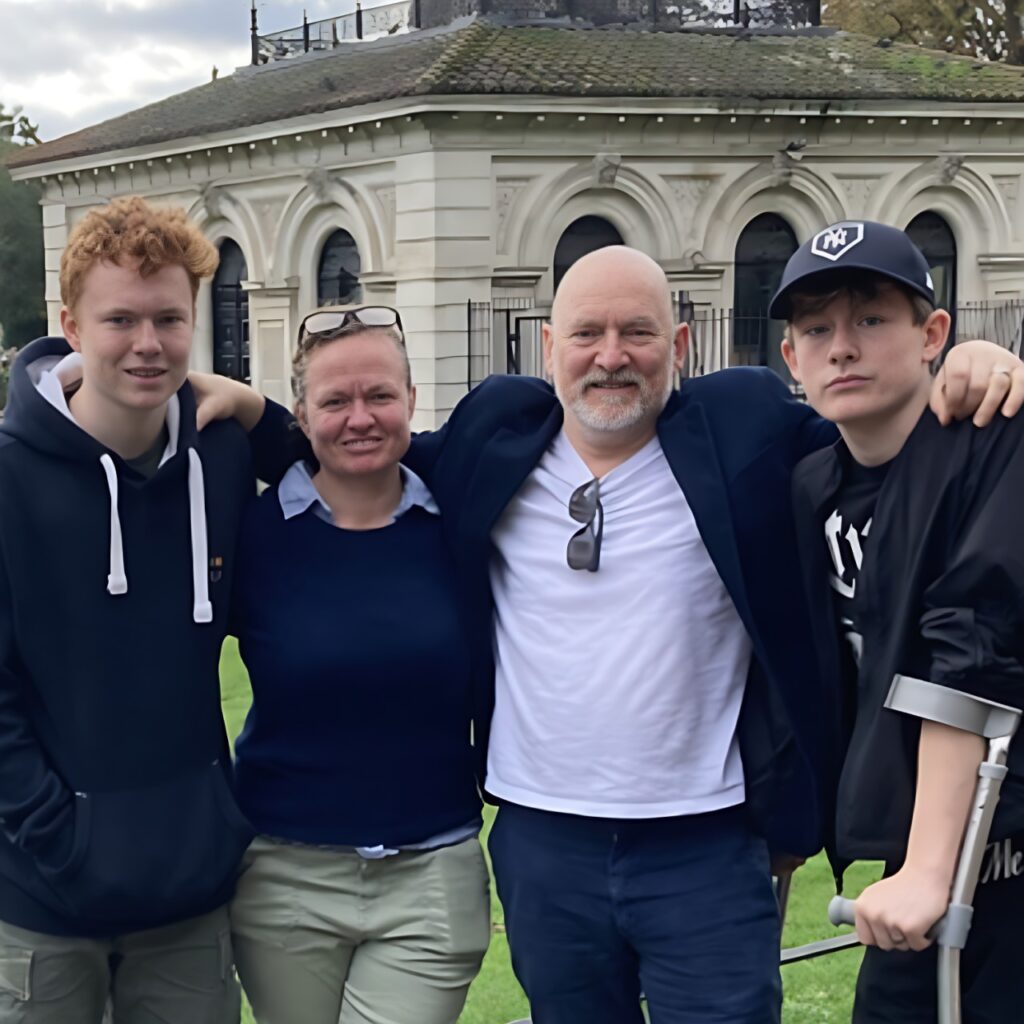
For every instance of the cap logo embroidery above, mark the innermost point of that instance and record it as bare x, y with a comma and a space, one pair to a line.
837, 240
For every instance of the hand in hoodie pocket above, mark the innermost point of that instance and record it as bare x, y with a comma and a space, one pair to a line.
145, 856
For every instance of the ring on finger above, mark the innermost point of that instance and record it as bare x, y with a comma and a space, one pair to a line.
1001, 371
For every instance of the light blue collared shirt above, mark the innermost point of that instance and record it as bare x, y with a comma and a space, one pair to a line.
297, 494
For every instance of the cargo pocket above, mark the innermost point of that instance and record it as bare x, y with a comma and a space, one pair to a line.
15, 980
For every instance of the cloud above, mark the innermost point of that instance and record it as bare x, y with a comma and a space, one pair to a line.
70, 63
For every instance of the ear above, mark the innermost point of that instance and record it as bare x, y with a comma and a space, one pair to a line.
299, 408
789, 355
548, 343
681, 344
412, 401
69, 328
936, 331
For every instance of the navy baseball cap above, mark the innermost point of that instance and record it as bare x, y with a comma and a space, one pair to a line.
853, 245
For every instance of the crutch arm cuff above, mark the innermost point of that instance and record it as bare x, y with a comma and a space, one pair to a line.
924, 699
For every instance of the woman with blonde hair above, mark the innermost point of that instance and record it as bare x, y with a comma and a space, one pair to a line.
365, 894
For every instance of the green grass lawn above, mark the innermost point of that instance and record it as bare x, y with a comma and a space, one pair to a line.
817, 991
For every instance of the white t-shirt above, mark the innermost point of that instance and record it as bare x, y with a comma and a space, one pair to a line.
617, 691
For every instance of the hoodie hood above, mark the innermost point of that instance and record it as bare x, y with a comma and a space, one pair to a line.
37, 411
38, 415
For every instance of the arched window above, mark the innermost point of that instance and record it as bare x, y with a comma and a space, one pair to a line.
580, 237
231, 314
762, 251
933, 236
338, 274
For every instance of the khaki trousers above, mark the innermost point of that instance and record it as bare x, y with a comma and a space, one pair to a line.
323, 935
180, 974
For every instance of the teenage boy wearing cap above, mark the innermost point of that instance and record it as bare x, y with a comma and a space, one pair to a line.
914, 559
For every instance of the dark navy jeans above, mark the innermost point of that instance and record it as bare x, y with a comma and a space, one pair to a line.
598, 909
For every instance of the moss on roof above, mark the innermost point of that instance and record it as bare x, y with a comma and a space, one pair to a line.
486, 58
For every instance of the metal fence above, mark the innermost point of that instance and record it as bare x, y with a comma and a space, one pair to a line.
999, 321
729, 13
505, 336
727, 337
331, 32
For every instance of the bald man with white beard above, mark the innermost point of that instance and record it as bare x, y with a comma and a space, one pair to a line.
649, 717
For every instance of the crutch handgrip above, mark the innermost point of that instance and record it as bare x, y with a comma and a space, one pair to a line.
841, 911
950, 930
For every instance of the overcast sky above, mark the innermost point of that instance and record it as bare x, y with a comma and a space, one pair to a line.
73, 63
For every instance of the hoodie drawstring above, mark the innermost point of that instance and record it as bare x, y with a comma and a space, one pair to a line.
202, 609
117, 581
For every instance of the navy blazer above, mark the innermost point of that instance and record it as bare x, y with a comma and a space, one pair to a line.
731, 439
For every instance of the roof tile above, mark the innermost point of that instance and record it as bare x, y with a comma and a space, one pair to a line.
482, 57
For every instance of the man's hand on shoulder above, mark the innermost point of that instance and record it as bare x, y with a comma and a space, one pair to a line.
220, 398
978, 379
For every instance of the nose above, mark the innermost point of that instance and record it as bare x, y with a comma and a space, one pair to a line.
146, 341
843, 348
611, 354
360, 416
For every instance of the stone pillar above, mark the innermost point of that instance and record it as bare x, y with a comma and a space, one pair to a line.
705, 284
55, 238
1000, 275
273, 321
444, 252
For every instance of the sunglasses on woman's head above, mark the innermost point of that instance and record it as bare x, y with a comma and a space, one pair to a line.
330, 321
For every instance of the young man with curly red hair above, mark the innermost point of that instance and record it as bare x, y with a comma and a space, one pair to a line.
119, 837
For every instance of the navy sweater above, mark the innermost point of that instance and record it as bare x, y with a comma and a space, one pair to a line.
359, 733
115, 808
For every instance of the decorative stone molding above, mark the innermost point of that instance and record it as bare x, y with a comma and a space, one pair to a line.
319, 182
505, 194
606, 168
783, 167
858, 193
1009, 186
948, 167
689, 193
388, 203
213, 198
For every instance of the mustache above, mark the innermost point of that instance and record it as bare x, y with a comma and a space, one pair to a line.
598, 378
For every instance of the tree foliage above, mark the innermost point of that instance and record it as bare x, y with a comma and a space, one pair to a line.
22, 274
985, 29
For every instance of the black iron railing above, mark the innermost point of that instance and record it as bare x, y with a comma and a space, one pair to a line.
750, 13
719, 338
331, 32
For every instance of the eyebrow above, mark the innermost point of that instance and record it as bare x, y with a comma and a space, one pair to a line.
126, 311
642, 320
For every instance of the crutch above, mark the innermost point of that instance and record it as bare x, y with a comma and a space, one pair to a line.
996, 723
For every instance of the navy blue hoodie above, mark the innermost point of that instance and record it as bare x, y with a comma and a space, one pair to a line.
116, 812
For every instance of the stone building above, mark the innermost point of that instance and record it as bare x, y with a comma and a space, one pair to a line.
456, 165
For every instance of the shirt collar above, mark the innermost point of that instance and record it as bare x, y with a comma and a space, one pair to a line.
297, 493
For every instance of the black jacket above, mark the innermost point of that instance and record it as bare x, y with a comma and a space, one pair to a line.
941, 597
731, 440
